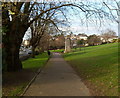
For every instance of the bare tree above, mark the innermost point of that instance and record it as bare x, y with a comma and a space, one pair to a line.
18, 16
114, 10
36, 35
44, 43
58, 42
41, 26
16, 20
94, 40
108, 34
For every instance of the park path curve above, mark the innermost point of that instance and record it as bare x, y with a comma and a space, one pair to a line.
57, 79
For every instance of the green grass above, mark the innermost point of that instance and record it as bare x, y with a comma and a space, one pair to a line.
32, 64
35, 63
98, 65
18, 90
59, 50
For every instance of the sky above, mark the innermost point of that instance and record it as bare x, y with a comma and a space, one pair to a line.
91, 27
78, 23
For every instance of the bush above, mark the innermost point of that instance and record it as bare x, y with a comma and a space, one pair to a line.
118, 40
114, 40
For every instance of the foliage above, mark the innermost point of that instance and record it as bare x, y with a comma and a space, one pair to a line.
116, 40
81, 42
98, 66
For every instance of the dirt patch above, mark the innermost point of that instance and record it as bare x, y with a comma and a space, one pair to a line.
13, 80
92, 88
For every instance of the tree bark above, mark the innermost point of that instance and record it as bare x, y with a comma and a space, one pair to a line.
12, 41
12, 58
12, 37
33, 52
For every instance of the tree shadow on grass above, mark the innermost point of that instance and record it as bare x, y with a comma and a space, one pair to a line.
101, 67
98, 70
74, 54
13, 80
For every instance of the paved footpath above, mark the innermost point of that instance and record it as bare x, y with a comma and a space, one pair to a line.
57, 79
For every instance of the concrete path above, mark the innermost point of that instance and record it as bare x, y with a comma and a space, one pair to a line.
57, 79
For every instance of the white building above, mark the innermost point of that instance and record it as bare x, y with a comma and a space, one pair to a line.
82, 36
109, 39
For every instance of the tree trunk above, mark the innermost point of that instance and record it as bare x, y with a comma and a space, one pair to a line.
12, 42
12, 39
12, 57
33, 52
42, 49
12, 46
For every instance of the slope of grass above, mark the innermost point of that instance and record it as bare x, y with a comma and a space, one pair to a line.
98, 67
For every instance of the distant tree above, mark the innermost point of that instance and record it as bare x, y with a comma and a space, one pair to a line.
118, 40
60, 41
44, 42
38, 29
82, 34
57, 41
108, 34
94, 40
114, 40
81, 42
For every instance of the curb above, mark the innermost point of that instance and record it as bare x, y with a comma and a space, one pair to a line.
33, 79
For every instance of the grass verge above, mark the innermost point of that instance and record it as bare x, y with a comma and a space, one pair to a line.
98, 68
58, 50
15, 82
35, 63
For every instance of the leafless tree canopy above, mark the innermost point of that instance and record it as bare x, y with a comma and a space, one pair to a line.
108, 34
19, 16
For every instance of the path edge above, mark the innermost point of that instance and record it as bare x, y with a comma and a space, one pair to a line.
33, 79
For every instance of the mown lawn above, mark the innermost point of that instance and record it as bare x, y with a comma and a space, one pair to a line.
58, 50
98, 68
35, 63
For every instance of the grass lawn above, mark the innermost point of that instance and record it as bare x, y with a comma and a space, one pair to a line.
15, 82
98, 68
58, 50
35, 63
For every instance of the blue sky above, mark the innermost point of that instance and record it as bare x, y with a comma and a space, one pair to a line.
91, 27
78, 23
